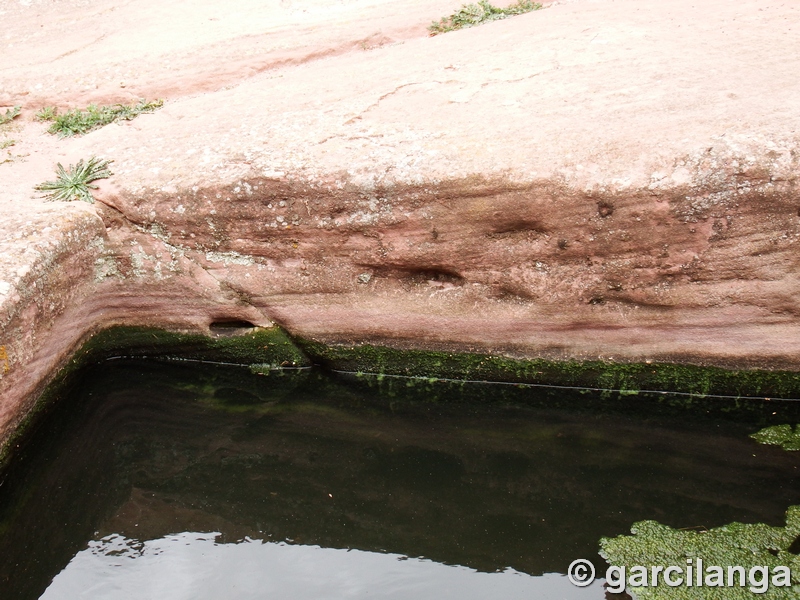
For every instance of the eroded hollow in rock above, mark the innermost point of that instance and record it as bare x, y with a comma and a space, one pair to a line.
421, 274
230, 327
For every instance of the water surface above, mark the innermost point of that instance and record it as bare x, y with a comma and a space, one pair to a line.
182, 480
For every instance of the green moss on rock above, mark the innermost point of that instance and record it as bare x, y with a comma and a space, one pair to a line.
270, 346
629, 378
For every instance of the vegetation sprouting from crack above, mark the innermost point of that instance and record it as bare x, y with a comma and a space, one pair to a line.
74, 183
79, 122
779, 435
10, 115
470, 15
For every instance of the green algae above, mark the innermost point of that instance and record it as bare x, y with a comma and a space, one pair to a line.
260, 346
627, 378
779, 435
734, 545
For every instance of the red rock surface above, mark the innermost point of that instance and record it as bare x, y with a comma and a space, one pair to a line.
613, 179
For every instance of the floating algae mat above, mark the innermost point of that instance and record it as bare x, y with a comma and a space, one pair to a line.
178, 480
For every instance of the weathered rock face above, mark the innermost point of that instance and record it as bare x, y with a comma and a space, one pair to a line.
613, 180
532, 269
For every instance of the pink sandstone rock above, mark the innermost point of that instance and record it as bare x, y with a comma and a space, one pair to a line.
598, 179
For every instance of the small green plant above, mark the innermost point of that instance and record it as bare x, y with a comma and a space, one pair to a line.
10, 115
470, 15
79, 122
75, 183
48, 113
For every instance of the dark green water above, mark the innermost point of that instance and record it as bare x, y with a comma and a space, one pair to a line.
183, 480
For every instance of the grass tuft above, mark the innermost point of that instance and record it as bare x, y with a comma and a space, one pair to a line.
470, 15
48, 113
75, 183
79, 122
10, 115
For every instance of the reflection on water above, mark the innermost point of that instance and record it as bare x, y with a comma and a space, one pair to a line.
191, 566
495, 486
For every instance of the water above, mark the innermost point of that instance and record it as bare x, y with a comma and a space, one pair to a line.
155, 480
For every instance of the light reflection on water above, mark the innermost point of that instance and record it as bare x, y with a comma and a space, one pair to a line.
191, 566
